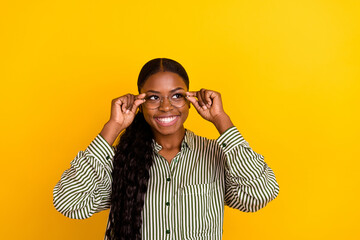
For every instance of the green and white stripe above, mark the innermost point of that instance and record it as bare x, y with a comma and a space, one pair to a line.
185, 199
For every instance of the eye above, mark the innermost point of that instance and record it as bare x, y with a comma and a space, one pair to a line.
178, 96
152, 98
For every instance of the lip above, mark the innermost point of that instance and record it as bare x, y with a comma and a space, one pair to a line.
166, 124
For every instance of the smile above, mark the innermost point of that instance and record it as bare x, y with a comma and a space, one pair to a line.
166, 121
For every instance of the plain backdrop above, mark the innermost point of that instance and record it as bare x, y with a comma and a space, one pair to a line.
288, 72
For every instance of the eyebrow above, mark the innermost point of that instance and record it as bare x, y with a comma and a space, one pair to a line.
174, 90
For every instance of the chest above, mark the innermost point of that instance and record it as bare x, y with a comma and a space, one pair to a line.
186, 196
185, 168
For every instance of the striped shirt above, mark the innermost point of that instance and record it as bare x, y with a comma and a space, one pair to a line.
185, 199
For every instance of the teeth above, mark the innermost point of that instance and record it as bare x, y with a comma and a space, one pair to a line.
166, 119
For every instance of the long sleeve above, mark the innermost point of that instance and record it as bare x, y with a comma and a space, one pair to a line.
250, 184
85, 188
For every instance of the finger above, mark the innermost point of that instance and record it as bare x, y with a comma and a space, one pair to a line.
123, 103
116, 104
195, 103
201, 99
136, 104
131, 103
203, 95
191, 94
139, 99
209, 95
141, 96
127, 102
216, 98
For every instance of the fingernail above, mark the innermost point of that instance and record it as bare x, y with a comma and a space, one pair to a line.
204, 107
127, 111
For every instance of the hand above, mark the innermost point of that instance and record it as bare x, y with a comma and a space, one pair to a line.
209, 105
123, 109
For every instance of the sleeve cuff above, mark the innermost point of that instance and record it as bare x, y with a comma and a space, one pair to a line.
230, 139
101, 149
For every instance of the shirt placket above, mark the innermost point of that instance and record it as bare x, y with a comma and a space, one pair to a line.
170, 198
168, 202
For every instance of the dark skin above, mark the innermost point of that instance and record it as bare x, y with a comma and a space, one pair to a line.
169, 137
208, 104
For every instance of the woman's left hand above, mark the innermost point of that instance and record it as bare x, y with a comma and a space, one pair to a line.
208, 104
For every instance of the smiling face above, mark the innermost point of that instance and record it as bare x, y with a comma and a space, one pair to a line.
166, 119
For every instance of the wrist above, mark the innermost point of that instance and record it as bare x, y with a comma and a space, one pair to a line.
110, 132
114, 126
222, 122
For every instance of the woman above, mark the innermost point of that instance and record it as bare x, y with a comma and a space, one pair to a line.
161, 180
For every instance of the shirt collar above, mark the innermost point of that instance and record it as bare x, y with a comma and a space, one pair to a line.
188, 141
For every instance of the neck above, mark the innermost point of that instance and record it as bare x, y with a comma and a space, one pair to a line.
171, 141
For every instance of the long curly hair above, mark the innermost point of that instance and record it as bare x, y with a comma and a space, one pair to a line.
132, 161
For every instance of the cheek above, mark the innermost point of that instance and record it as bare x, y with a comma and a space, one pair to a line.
147, 117
185, 113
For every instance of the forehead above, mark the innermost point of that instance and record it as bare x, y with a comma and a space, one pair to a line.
163, 82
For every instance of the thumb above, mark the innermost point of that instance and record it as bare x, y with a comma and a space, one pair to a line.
138, 101
194, 102
136, 104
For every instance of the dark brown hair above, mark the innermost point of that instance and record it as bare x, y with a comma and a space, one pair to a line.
132, 161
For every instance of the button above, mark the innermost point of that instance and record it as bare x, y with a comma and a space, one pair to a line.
168, 179
107, 157
224, 144
167, 204
167, 231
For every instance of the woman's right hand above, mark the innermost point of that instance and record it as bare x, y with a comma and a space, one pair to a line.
123, 109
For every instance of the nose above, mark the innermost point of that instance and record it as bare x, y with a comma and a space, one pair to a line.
165, 104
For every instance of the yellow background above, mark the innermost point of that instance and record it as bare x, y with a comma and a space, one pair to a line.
288, 72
